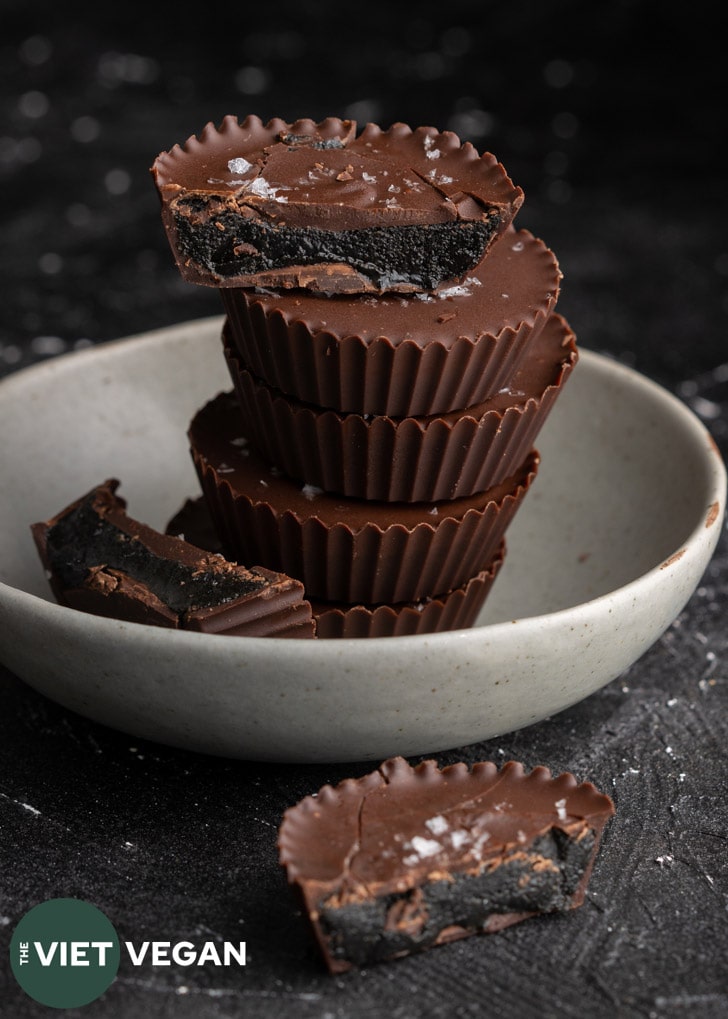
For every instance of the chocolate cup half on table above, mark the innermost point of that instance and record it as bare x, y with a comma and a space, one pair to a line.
420, 354
313, 205
412, 459
404, 859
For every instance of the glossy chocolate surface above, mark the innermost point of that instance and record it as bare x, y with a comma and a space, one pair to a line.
342, 549
401, 355
518, 282
218, 441
455, 610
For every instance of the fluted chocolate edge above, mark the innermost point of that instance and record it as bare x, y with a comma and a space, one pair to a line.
456, 610
371, 565
412, 459
377, 377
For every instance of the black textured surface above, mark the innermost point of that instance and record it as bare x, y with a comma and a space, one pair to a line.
610, 117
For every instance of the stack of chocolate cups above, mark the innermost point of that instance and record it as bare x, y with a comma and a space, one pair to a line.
376, 443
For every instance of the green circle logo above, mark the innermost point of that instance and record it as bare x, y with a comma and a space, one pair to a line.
64, 953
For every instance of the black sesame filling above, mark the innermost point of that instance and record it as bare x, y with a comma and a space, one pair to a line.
420, 256
83, 540
542, 878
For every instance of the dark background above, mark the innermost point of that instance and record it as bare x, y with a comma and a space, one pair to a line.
611, 117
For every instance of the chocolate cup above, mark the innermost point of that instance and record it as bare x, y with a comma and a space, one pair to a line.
416, 459
401, 356
349, 550
456, 610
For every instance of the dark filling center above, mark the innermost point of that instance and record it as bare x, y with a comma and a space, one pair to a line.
83, 540
542, 878
421, 256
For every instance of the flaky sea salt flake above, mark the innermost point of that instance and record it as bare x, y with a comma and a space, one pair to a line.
239, 165
437, 824
263, 189
425, 847
311, 491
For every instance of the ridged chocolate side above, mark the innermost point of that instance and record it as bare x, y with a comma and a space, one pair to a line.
415, 459
454, 611
345, 549
401, 356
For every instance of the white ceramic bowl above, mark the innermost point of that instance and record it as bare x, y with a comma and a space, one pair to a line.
605, 552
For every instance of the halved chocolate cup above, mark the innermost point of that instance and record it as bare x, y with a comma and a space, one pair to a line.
404, 859
401, 356
102, 561
413, 459
312, 205
350, 550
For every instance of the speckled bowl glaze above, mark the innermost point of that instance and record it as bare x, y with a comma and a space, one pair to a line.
604, 554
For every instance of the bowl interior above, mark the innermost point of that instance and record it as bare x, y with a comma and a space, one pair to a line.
620, 487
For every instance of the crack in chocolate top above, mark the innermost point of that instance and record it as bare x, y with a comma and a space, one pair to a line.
390, 827
315, 205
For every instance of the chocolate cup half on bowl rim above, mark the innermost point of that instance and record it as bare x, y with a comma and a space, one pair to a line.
400, 355
413, 459
102, 561
313, 205
349, 550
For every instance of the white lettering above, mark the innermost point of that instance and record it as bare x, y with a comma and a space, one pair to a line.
159, 953
183, 953
180, 956
45, 960
101, 947
208, 954
78, 953
137, 957
234, 954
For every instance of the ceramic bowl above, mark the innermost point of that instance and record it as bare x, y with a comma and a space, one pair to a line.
605, 552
